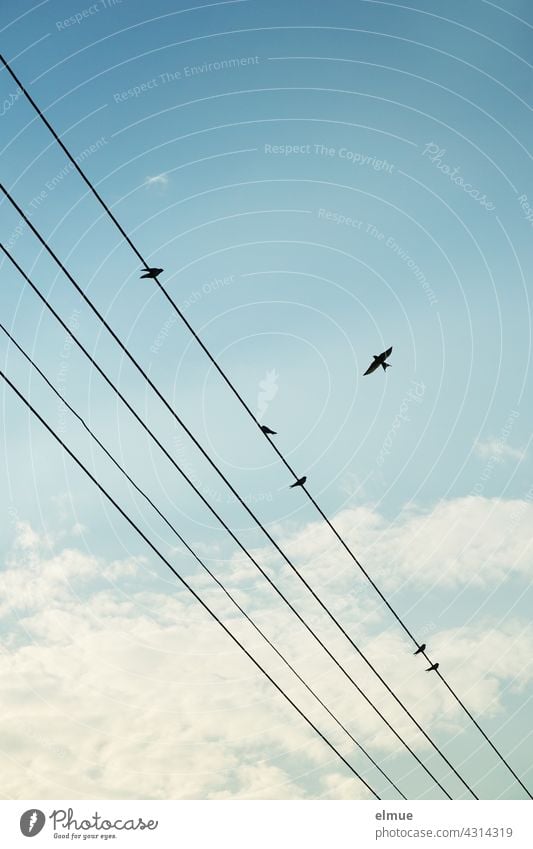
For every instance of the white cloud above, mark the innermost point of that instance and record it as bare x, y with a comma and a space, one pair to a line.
132, 693
157, 180
473, 540
499, 450
122, 691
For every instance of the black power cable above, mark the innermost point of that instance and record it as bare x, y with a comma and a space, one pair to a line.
246, 407
223, 477
194, 554
184, 582
219, 518
251, 414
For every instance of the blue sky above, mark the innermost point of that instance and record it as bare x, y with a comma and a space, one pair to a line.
319, 181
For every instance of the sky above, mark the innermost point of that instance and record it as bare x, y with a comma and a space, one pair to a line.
319, 182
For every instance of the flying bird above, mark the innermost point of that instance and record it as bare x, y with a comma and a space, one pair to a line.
379, 360
420, 649
433, 667
266, 430
151, 272
299, 482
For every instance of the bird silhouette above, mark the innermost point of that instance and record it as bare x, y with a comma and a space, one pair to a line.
151, 272
266, 430
379, 360
433, 667
420, 649
299, 482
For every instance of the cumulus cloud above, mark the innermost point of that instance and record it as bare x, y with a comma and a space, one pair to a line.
464, 541
116, 690
499, 450
112, 688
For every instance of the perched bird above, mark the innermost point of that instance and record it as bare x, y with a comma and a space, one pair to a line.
266, 430
379, 360
420, 649
151, 272
433, 667
299, 482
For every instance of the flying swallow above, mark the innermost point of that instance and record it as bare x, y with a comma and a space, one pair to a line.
379, 360
420, 649
299, 482
266, 430
151, 272
433, 667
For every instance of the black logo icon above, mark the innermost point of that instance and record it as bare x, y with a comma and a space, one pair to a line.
32, 822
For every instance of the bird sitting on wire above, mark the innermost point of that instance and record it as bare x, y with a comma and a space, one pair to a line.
151, 272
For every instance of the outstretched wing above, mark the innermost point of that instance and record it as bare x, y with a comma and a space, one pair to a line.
372, 367
386, 354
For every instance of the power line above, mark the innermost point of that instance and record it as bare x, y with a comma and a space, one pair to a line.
195, 555
187, 586
226, 481
344, 544
222, 522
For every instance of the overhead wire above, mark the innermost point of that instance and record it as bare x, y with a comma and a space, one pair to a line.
222, 522
230, 486
347, 548
242, 401
194, 554
185, 583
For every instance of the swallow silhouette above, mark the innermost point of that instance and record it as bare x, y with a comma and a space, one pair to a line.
151, 272
420, 649
299, 482
433, 667
379, 360
266, 430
